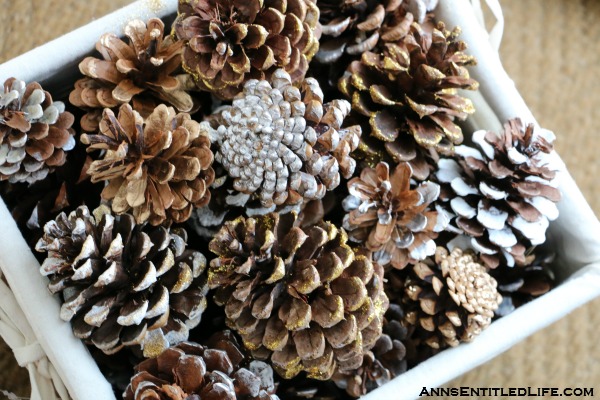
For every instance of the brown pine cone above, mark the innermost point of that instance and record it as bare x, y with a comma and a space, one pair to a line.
231, 41
504, 193
449, 300
158, 167
123, 284
191, 371
354, 26
282, 144
141, 72
297, 296
35, 132
385, 361
410, 86
390, 218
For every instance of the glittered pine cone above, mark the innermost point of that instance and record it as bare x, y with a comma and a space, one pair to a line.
449, 300
35, 132
123, 284
282, 144
503, 192
351, 27
299, 297
410, 87
383, 362
190, 371
141, 71
231, 41
391, 219
158, 168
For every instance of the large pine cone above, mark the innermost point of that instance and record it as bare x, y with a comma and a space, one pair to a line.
190, 371
299, 296
283, 144
390, 218
141, 72
231, 41
449, 300
35, 132
385, 361
158, 167
411, 87
503, 194
123, 284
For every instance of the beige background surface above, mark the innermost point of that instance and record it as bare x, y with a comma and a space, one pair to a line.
551, 49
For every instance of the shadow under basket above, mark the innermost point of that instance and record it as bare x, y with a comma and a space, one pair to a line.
59, 364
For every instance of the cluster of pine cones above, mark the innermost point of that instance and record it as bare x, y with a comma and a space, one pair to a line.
288, 174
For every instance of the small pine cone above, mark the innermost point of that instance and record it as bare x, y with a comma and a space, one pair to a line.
353, 27
503, 193
283, 144
450, 300
297, 296
35, 132
158, 167
229, 42
385, 361
140, 72
123, 284
192, 371
521, 285
411, 87
390, 218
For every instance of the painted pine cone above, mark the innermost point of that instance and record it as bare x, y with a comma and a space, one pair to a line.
391, 219
282, 144
231, 41
35, 132
191, 371
297, 296
123, 284
141, 71
503, 193
158, 168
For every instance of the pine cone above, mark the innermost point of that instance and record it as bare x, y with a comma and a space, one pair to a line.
390, 218
503, 194
283, 144
230, 41
450, 300
298, 296
35, 132
160, 167
411, 87
123, 284
354, 26
191, 371
141, 72
382, 363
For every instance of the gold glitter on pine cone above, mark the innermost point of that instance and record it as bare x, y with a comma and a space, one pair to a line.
450, 300
299, 297
158, 167
231, 41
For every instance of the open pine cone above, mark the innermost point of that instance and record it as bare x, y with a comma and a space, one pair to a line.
503, 193
158, 167
390, 218
283, 144
231, 41
449, 300
141, 72
297, 296
190, 371
410, 87
123, 284
35, 132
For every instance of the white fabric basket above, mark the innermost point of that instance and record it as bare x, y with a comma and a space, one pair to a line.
59, 364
